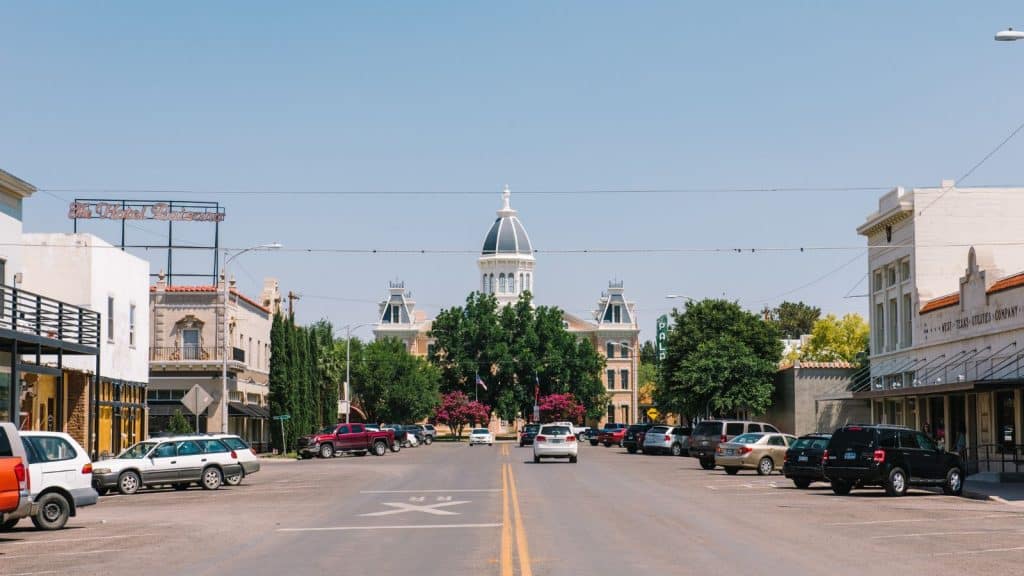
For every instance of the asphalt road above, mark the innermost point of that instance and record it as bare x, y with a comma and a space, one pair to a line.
455, 510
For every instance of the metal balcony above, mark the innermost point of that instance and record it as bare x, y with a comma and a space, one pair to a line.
48, 323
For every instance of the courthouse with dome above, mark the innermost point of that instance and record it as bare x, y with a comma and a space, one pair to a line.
506, 269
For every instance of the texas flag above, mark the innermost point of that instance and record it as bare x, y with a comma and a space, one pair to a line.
480, 382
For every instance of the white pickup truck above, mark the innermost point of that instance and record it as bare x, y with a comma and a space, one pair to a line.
576, 430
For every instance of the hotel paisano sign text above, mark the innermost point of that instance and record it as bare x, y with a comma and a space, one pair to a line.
141, 211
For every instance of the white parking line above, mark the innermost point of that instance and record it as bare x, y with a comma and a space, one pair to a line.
905, 521
84, 539
75, 553
393, 527
924, 534
428, 491
989, 551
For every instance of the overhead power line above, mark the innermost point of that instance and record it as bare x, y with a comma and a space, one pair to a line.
687, 190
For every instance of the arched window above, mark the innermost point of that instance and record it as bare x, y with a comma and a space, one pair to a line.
486, 285
491, 284
522, 285
501, 282
610, 350
512, 283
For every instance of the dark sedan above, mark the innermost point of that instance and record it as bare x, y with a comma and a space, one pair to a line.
528, 434
803, 460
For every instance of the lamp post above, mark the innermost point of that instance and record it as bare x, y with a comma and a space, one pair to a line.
679, 297
348, 362
224, 360
1009, 35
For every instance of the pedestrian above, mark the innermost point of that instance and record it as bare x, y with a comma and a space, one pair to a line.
961, 439
927, 429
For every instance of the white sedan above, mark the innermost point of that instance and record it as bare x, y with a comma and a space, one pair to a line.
481, 436
555, 441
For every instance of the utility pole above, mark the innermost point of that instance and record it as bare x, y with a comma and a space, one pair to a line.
292, 297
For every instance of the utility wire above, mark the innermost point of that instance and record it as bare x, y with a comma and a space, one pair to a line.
695, 190
815, 281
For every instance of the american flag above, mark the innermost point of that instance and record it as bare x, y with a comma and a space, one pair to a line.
480, 382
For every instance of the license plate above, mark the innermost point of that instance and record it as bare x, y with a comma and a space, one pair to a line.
802, 459
556, 441
850, 456
703, 442
730, 452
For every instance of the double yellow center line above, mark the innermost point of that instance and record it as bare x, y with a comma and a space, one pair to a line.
511, 496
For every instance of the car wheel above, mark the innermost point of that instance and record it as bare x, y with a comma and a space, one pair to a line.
841, 488
102, 491
380, 448
896, 484
631, 450
305, 456
954, 485
428, 440
536, 459
765, 466
573, 459
326, 451
593, 442
128, 483
707, 464
396, 447
801, 483
607, 444
677, 450
180, 485
212, 478
521, 444
53, 514
8, 524
235, 479
731, 470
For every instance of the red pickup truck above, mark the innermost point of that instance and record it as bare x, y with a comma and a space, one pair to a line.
15, 498
611, 435
352, 438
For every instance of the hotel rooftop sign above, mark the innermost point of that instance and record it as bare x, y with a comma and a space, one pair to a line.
139, 210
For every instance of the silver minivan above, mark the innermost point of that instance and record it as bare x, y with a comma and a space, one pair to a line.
674, 440
708, 434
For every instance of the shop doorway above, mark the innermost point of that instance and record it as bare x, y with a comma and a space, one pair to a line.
957, 432
1005, 425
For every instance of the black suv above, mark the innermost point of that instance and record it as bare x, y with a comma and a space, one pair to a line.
803, 459
892, 457
631, 441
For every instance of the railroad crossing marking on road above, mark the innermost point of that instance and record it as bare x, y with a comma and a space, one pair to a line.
402, 507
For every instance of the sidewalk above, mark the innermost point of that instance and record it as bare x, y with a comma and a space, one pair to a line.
1005, 492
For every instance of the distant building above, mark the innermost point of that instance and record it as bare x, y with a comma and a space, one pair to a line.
506, 268
189, 345
815, 397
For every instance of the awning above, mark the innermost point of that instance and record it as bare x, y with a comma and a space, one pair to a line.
247, 410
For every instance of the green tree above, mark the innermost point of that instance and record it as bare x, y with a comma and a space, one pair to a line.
280, 380
179, 424
834, 339
794, 319
395, 386
720, 359
513, 350
648, 353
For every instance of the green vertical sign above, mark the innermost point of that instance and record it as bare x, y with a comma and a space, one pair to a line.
661, 344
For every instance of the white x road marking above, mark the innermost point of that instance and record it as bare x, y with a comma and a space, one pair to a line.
402, 507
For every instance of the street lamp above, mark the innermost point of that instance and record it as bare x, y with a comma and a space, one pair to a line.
1009, 35
224, 360
348, 363
636, 378
679, 297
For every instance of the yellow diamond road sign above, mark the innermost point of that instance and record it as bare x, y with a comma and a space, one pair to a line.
653, 413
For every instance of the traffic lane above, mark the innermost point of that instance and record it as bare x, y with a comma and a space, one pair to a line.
747, 522
440, 516
172, 532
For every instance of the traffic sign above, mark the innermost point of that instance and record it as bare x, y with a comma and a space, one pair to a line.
653, 413
197, 399
283, 417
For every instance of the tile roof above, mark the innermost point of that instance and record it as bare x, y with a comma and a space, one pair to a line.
1006, 283
839, 364
211, 289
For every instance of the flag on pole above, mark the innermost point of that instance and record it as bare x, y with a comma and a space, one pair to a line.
536, 389
480, 382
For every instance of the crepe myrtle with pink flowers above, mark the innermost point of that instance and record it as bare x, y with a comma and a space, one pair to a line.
457, 410
561, 408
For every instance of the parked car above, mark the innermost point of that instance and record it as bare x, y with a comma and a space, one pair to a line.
481, 436
401, 436
421, 434
353, 438
632, 440
759, 451
612, 434
892, 457
803, 459
429, 430
177, 461
583, 433
663, 439
246, 457
15, 482
708, 434
60, 473
528, 434
555, 441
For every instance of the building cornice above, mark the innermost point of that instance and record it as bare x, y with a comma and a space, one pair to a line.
879, 221
11, 184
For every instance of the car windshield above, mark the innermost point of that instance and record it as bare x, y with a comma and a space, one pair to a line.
480, 431
328, 429
555, 430
747, 438
658, 430
851, 438
138, 451
710, 428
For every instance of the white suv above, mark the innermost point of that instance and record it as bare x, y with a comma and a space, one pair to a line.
555, 441
176, 461
61, 477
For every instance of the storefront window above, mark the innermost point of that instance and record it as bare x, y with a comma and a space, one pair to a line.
5, 396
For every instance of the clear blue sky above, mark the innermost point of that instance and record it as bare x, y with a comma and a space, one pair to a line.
544, 96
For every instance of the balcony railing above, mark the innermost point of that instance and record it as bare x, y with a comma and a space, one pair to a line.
194, 354
38, 315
